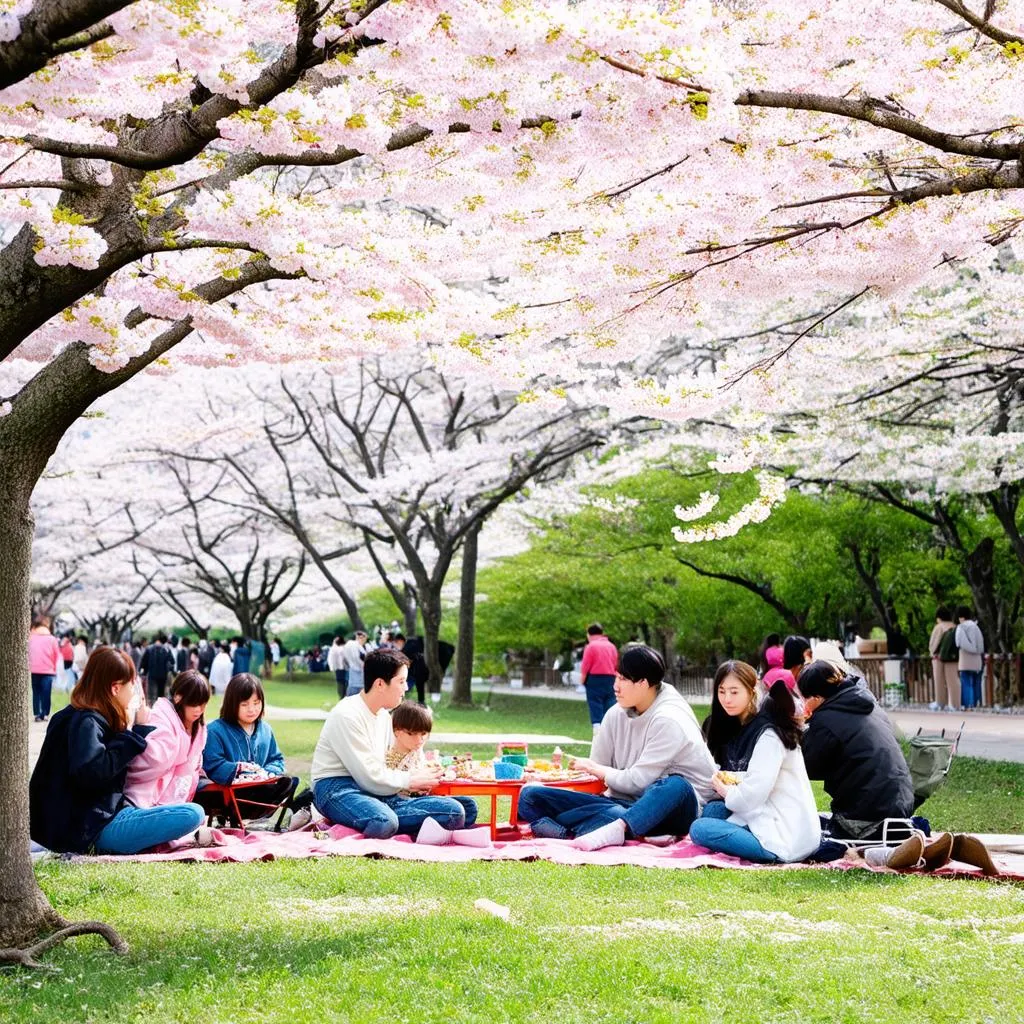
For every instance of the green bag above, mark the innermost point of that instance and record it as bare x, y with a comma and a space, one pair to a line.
928, 760
948, 650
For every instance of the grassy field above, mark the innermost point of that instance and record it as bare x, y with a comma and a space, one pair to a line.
368, 941
303, 942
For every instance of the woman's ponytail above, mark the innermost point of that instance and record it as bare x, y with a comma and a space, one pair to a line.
781, 709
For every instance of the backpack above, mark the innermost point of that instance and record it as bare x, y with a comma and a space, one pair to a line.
947, 646
929, 760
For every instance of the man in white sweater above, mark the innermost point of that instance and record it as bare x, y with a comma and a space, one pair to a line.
649, 752
352, 784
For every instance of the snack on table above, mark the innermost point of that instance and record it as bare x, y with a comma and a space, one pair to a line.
728, 778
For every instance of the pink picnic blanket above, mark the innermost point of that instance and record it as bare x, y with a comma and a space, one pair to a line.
235, 846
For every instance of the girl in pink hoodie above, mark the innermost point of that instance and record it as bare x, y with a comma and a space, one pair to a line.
167, 771
773, 658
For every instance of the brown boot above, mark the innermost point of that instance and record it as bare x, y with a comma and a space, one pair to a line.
938, 852
971, 850
907, 855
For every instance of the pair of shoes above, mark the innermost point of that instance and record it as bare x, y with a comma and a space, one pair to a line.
433, 833
935, 706
38, 718
937, 852
900, 858
300, 819
949, 707
971, 850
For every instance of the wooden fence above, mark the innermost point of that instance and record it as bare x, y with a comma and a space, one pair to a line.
1002, 680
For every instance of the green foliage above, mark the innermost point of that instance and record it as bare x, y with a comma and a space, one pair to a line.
624, 569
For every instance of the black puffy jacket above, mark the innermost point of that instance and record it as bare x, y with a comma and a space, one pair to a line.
850, 745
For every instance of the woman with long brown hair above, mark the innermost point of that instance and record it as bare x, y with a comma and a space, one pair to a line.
76, 794
767, 811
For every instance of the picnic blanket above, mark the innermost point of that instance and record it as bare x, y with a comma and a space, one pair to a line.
235, 846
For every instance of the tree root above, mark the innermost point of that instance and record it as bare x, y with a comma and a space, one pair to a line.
27, 957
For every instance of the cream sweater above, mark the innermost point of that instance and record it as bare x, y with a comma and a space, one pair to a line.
355, 742
775, 801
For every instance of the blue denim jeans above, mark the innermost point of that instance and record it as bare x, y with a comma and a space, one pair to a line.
970, 688
600, 696
667, 806
715, 832
134, 829
41, 687
379, 817
341, 681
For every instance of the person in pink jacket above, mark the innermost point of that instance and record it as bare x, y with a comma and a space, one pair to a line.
167, 771
773, 658
43, 665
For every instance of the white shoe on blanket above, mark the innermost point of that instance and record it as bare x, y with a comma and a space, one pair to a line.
205, 836
612, 834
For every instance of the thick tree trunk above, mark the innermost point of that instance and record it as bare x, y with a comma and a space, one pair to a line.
462, 688
409, 609
24, 910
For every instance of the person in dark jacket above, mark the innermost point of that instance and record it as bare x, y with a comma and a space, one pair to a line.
850, 745
156, 665
76, 793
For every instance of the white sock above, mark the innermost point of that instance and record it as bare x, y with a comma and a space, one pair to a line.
471, 837
432, 834
612, 834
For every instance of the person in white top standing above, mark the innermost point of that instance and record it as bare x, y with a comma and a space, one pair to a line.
352, 784
651, 755
220, 670
353, 653
336, 663
971, 647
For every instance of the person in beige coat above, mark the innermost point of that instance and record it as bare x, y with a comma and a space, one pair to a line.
945, 677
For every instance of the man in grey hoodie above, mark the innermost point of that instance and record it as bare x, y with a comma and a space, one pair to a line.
651, 755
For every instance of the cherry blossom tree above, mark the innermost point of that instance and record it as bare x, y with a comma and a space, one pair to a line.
623, 171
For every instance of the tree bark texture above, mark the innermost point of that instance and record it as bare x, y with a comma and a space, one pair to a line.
24, 910
462, 689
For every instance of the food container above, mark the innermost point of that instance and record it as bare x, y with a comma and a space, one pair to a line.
508, 770
519, 759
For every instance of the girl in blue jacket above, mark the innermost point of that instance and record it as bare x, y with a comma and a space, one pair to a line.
240, 747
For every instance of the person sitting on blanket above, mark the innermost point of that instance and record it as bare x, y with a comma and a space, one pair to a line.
652, 757
76, 795
768, 814
411, 723
240, 746
850, 744
352, 784
168, 770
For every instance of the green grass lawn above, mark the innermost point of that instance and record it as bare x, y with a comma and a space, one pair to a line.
367, 941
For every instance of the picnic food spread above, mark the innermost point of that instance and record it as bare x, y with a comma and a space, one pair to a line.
462, 767
728, 778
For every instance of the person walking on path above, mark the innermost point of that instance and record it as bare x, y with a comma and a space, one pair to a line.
597, 673
942, 648
352, 784
971, 657
651, 755
44, 662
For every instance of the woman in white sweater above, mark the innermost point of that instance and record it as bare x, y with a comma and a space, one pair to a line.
768, 813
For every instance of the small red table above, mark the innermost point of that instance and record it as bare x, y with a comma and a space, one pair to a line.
510, 788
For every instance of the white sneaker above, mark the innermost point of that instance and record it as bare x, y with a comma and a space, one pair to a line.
300, 819
934, 706
949, 707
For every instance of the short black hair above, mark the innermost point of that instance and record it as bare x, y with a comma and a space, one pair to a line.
943, 613
638, 662
411, 716
382, 663
820, 679
793, 651
240, 689
963, 612
595, 629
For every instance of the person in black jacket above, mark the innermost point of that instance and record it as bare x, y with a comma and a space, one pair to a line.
156, 665
76, 793
850, 745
